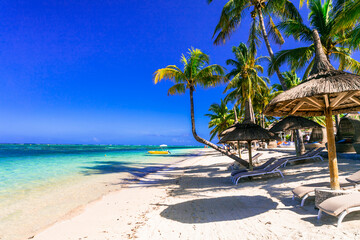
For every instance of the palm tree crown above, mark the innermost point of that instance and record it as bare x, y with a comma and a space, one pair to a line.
196, 71
245, 79
334, 38
220, 118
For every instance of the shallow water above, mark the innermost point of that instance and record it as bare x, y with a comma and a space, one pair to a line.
23, 167
41, 181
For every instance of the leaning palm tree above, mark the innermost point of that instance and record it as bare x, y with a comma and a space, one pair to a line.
221, 118
334, 38
245, 80
196, 73
234, 10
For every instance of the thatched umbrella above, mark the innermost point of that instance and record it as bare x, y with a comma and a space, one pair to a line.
295, 123
326, 91
247, 131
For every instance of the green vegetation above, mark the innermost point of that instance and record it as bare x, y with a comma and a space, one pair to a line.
196, 73
339, 28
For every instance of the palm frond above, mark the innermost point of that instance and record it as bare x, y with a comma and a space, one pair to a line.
346, 61
177, 89
296, 29
254, 36
296, 58
274, 32
230, 19
171, 72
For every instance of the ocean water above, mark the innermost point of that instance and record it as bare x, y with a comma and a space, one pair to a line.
24, 167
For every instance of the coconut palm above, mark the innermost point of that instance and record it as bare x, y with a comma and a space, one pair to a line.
334, 38
220, 118
347, 16
261, 99
291, 80
234, 10
245, 80
196, 73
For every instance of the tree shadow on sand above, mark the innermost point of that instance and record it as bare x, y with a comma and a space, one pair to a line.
108, 167
218, 209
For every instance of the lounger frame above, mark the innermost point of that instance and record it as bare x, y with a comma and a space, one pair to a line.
342, 215
310, 194
235, 181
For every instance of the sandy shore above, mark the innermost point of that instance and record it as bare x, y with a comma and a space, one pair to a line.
195, 199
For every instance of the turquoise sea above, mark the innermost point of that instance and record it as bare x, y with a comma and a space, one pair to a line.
41, 183
26, 166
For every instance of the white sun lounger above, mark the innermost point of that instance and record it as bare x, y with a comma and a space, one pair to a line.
271, 169
307, 190
311, 155
340, 206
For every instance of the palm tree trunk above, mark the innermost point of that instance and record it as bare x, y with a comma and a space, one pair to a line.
235, 113
267, 43
300, 142
203, 141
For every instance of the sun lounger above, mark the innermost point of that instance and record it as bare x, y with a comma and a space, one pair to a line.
307, 190
340, 206
271, 160
254, 158
311, 155
271, 169
264, 165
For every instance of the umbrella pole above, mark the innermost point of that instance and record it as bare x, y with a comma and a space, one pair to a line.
238, 145
250, 157
333, 167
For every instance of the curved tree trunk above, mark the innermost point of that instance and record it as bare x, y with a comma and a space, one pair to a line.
203, 141
267, 43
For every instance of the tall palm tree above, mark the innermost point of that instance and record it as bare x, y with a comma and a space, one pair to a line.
234, 10
245, 80
196, 72
220, 118
334, 38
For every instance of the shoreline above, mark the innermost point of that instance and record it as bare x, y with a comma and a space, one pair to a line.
67, 199
194, 199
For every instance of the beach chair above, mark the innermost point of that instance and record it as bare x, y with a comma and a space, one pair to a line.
340, 206
307, 190
271, 169
271, 160
262, 166
312, 154
254, 158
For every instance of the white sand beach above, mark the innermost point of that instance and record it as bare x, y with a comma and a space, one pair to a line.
195, 199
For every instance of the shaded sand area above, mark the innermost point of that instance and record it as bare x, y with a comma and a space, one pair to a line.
194, 199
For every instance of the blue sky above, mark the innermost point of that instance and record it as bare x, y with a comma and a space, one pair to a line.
81, 71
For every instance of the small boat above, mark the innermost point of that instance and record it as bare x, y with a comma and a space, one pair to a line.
162, 151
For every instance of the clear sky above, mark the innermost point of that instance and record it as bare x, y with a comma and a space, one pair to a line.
81, 71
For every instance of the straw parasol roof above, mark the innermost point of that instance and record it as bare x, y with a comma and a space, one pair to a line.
326, 91
293, 123
325, 87
247, 131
